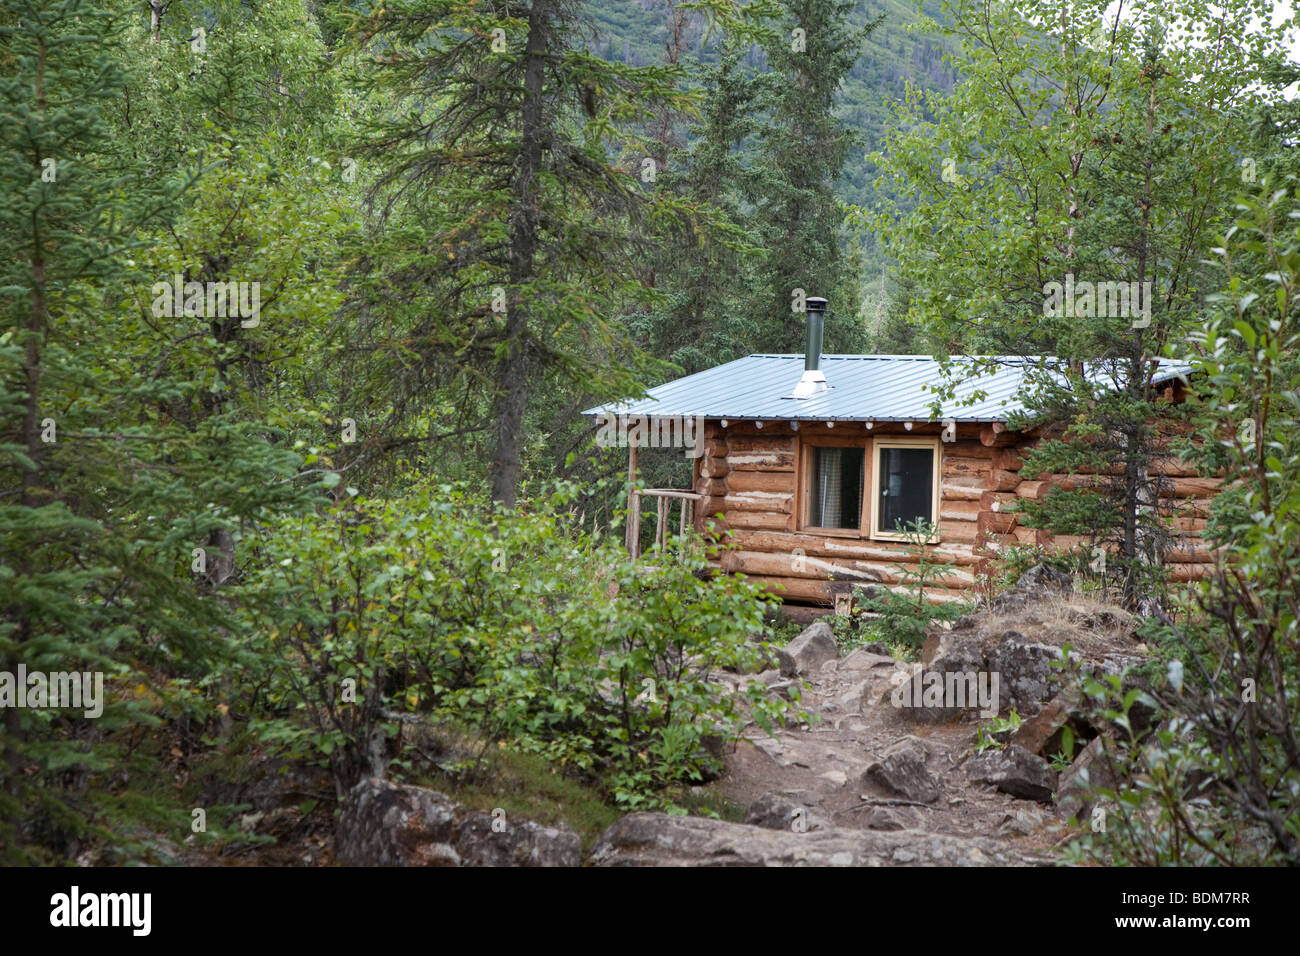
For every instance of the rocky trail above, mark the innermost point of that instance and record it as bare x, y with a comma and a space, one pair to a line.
872, 781
864, 766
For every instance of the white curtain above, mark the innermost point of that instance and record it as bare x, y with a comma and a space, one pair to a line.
829, 473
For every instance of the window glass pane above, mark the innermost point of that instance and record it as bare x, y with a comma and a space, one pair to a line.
906, 487
836, 489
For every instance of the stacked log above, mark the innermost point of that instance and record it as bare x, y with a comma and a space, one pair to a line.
748, 475
1186, 497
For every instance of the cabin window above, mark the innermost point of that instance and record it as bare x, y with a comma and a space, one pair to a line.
904, 485
835, 486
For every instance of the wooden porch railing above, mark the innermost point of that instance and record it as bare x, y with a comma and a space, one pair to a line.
664, 498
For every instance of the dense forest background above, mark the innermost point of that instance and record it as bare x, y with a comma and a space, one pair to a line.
302, 300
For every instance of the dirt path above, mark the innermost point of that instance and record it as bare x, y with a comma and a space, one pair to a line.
821, 765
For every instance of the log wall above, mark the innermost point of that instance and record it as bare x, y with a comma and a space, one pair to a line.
748, 476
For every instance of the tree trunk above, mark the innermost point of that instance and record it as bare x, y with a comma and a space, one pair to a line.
512, 370
1137, 491
155, 20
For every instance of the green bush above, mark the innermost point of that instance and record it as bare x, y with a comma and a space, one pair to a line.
1213, 778
521, 624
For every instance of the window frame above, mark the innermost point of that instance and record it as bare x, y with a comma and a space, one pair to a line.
803, 504
882, 442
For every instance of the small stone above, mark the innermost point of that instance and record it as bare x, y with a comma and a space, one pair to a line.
901, 771
781, 809
1015, 771
889, 818
1022, 821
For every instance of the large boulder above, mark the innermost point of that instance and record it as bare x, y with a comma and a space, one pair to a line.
391, 824
901, 772
658, 839
806, 654
1015, 771
1021, 639
871, 677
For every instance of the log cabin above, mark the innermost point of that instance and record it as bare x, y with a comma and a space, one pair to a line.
811, 463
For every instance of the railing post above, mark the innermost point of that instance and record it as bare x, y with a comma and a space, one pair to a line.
663, 516
633, 534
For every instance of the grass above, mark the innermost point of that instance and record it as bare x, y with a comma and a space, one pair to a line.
526, 787
707, 802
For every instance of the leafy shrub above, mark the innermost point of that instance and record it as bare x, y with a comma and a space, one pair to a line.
997, 732
1213, 778
521, 624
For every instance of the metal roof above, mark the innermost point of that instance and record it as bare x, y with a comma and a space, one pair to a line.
881, 388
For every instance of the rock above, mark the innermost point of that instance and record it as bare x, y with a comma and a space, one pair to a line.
850, 701
1043, 733
773, 749
890, 818
658, 839
1015, 771
1021, 639
1022, 822
1088, 771
1027, 672
1028, 675
1102, 617
836, 777
882, 682
520, 843
901, 772
391, 824
787, 810
809, 651
862, 660
1037, 583
789, 689
955, 684
384, 824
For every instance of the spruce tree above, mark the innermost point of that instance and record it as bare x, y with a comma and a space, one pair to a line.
124, 453
800, 155
514, 188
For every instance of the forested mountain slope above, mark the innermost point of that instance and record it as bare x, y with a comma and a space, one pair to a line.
635, 31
